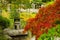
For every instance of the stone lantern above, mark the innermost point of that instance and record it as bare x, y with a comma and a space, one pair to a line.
18, 31
17, 23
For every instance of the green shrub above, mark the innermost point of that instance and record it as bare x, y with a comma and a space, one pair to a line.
55, 31
4, 22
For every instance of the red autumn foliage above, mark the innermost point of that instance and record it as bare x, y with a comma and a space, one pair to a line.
44, 19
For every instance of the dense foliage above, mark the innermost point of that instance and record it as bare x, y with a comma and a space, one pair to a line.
45, 19
4, 22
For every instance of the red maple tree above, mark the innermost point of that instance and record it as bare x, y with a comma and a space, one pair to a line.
44, 19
